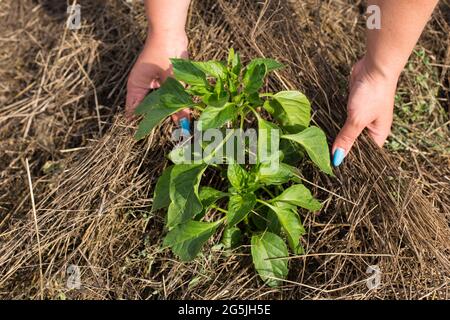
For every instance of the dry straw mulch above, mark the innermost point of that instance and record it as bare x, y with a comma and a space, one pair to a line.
62, 138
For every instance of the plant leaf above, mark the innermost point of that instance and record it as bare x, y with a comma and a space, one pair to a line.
184, 184
291, 224
186, 71
216, 117
209, 195
268, 140
314, 141
270, 64
239, 207
237, 176
231, 238
266, 247
161, 198
216, 99
158, 105
254, 78
291, 109
275, 174
234, 62
213, 68
187, 239
266, 219
299, 195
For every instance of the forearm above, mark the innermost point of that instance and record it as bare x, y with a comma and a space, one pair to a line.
166, 16
402, 22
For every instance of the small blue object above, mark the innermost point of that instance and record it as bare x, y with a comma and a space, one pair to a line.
338, 157
185, 126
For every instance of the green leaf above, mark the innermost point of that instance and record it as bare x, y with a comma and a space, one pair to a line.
150, 102
219, 88
258, 217
216, 117
275, 173
300, 196
254, 78
158, 105
184, 184
239, 207
199, 90
234, 62
233, 84
314, 141
161, 198
266, 248
184, 154
209, 195
268, 140
270, 64
216, 99
231, 238
292, 152
266, 219
273, 224
255, 100
173, 215
186, 71
237, 176
187, 239
291, 109
213, 68
291, 224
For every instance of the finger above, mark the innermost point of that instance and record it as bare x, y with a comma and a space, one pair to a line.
154, 84
346, 138
142, 78
134, 97
185, 113
379, 130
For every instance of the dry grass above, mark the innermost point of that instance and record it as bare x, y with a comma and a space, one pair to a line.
92, 184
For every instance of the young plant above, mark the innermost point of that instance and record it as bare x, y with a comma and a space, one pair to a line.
261, 200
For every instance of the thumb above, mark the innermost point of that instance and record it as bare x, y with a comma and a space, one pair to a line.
345, 139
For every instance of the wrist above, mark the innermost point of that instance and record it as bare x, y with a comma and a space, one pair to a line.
167, 35
381, 71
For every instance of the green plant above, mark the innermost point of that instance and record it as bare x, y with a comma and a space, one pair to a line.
261, 200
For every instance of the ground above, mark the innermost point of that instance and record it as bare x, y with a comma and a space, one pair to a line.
75, 188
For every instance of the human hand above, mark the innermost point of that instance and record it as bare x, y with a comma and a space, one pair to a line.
153, 67
370, 105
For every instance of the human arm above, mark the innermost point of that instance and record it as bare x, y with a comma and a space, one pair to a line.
374, 78
166, 38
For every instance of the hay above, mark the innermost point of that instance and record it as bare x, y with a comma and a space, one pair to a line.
92, 206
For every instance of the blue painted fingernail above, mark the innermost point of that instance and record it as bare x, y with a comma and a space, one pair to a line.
338, 157
185, 125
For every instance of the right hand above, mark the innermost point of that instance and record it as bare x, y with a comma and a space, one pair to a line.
370, 105
153, 67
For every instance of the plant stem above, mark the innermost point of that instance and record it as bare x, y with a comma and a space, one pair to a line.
264, 203
196, 106
242, 121
221, 210
255, 112
268, 191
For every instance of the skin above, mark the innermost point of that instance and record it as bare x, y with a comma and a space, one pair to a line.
166, 38
373, 81
374, 78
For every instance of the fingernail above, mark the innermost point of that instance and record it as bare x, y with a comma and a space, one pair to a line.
338, 157
185, 125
